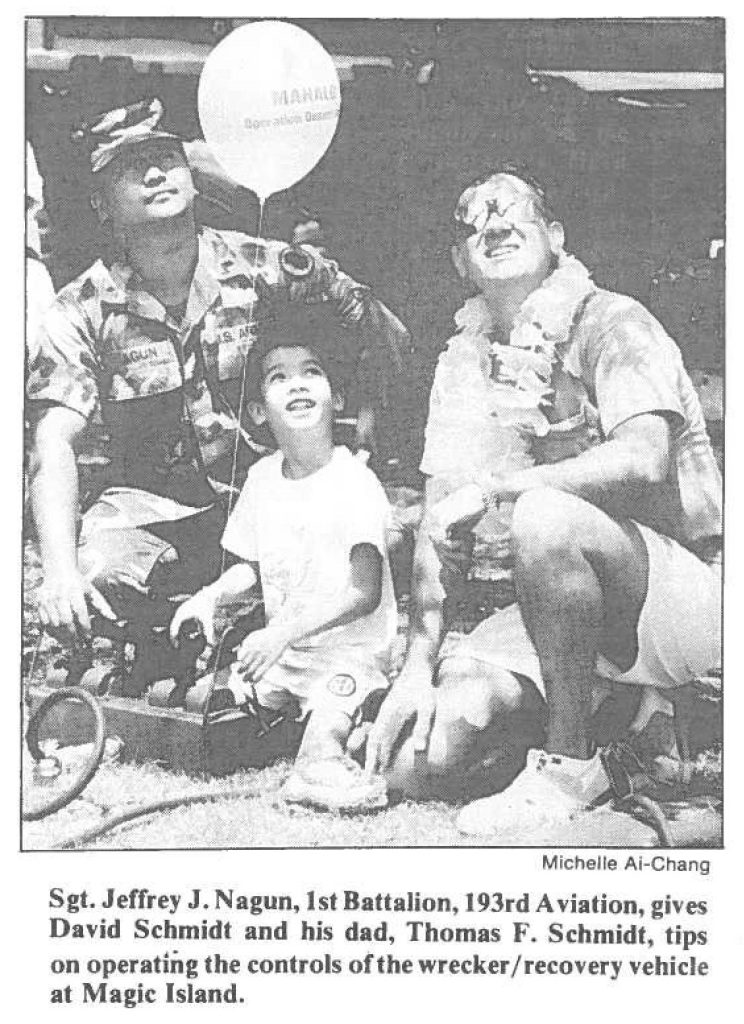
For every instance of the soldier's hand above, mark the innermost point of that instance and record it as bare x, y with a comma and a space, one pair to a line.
315, 286
351, 299
64, 603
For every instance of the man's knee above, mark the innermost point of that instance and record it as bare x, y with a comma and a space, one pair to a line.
472, 699
480, 692
564, 547
545, 526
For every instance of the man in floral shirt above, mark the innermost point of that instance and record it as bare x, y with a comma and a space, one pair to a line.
614, 531
155, 341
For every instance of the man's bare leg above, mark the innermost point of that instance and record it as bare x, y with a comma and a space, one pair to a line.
581, 581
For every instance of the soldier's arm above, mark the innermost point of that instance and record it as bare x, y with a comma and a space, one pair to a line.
62, 393
381, 340
53, 483
380, 343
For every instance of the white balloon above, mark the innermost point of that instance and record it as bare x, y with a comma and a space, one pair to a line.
269, 103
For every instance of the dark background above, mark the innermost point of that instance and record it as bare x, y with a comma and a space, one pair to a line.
639, 188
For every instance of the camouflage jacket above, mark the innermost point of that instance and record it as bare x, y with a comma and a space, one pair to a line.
167, 390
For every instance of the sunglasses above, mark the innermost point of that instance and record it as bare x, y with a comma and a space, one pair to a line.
138, 161
524, 210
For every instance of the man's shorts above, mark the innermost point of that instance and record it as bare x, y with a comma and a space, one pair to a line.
317, 678
679, 629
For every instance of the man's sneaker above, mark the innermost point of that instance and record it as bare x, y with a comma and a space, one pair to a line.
550, 791
336, 784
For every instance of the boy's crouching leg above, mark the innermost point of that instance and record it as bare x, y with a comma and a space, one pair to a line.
324, 775
485, 721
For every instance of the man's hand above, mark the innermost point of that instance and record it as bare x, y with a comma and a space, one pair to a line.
463, 508
449, 525
454, 550
411, 699
260, 650
199, 608
63, 601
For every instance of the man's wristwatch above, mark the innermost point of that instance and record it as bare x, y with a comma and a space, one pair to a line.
489, 493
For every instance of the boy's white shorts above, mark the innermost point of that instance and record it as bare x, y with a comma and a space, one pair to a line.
339, 678
679, 629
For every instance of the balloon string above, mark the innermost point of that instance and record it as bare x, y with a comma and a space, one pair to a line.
252, 326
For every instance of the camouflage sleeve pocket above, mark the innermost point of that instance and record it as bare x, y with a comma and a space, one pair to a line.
64, 381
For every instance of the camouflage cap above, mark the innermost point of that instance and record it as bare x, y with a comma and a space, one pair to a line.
126, 126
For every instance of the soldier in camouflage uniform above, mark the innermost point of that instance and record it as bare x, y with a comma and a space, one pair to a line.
155, 342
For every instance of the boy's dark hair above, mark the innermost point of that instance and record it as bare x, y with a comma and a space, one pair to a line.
293, 324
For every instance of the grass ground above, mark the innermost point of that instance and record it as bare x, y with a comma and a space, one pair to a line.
258, 821
261, 820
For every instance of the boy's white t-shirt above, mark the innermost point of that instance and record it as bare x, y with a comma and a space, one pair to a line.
301, 533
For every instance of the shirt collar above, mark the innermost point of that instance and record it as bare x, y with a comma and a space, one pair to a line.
216, 264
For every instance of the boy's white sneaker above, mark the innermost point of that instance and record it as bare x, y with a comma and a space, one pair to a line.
550, 791
335, 784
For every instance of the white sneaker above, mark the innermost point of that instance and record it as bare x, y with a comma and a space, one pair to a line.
551, 790
336, 784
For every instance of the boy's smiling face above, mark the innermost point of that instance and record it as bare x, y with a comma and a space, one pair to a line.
296, 393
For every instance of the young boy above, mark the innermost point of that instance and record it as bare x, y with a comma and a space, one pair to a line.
309, 525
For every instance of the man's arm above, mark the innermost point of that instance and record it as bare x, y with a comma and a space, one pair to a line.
633, 369
53, 485
412, 694
614, 476
361, 596
427, 595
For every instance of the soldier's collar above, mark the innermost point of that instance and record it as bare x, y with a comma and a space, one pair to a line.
228, 261
217, 264
222, 270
